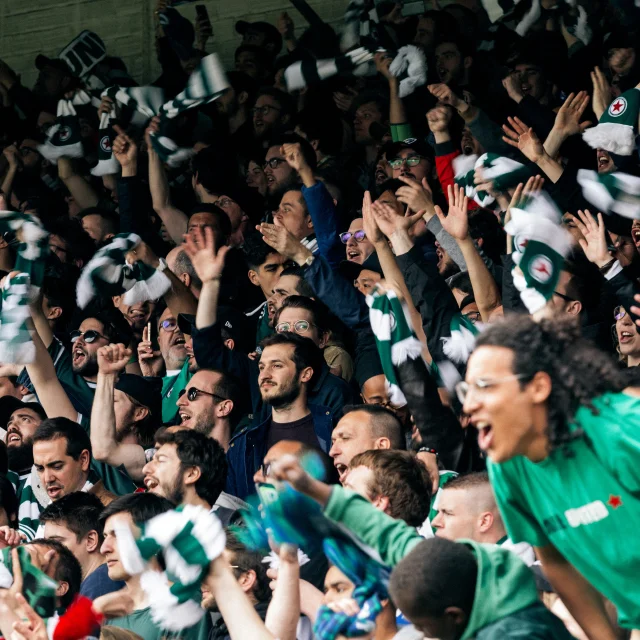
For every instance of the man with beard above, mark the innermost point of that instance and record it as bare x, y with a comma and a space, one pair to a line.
137, 315
287, 367
251, 573
272, 112
234, 105
126, 412
25, 418
187, 468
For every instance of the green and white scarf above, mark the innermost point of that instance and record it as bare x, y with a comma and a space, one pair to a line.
16, 345
189, 537
612, 192
460, 344
505, 173
38, 588
109, 274
541, 245
63, 138
394, 336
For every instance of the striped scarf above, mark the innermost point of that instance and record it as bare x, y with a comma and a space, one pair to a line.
38, 588
19, 290
503, 172
189, 538
362, 37
541, 244
394, 337
460, 344
109, 274
612, 192
63, 137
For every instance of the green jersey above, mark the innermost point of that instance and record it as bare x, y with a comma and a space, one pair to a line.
583, 499
140, 622
171, 388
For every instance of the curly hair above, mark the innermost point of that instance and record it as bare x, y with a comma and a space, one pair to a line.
579, 371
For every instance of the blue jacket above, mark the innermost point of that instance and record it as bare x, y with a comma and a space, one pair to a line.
325, 222
248, 448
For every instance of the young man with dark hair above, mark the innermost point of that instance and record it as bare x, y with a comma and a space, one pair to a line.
70, 242
136, 509
74, 521
363, 428
235, 107
287, 367
272, 112
542, 400
395, 482
187, 468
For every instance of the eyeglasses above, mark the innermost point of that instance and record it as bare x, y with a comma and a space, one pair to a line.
89, 336
358, 236
274, 163
463, 388
193, 393
411, 161
619, 313
563, 296
169, 325
299, 326
266, 469
224, 202
472, 316
264, 110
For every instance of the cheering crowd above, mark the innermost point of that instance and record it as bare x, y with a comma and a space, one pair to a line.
341, 341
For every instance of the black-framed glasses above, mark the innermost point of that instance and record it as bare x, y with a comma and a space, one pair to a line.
299, 326
411, 161
619, 312
193, 393
358, 236
264, 109
472, 316
273, 163
88, 336
169, 325
563, 296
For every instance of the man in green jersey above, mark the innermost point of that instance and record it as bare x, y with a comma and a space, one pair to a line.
563, 447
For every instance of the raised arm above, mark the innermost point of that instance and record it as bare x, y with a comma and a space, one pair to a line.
456, 223
112, 361
567, 122
284, 609
400, 127
174, 220
239, 614
79, 188
51, 394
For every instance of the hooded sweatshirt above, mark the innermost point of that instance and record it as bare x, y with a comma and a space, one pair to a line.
505, 605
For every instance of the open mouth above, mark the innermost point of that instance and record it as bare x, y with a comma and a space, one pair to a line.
150, 482
78, 355
342, 471
179, 341
352, 254
14, 439
525, 88
625, 337
270, 180
635, 234
184, 418
54, 492
485, 435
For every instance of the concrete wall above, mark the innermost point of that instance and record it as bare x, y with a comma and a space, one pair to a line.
29, 27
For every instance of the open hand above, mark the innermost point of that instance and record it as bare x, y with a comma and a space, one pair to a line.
568, 117
283, 241
594, 242
207, 260
416, 195
522, 137
456, 222
389, 222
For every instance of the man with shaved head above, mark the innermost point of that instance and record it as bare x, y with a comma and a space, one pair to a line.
467, 509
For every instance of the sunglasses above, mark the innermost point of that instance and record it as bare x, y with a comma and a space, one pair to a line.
169, 325
358, 236
299, 326
411, 161
193, 393
619, 313
89, 336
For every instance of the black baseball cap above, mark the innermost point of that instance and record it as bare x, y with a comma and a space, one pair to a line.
233, 324
186, 322
9, 404
43, 61
145, 391
351, 270
273, 35
417, 144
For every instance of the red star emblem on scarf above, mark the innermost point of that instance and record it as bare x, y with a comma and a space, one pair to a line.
614, 501
616, 106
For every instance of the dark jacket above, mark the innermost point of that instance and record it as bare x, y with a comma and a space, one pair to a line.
211, 353
248, 448
220, 631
